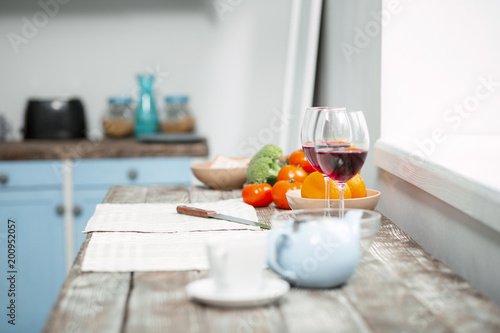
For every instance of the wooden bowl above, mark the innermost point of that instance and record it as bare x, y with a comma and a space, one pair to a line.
369, 202
219, 179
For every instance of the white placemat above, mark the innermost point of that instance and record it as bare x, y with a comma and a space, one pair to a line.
164, 217
139, 252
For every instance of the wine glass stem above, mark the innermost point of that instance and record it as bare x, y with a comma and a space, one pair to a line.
327, 195
327, 192
341, 199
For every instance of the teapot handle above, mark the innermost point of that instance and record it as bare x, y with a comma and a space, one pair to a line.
218, 264
275, 239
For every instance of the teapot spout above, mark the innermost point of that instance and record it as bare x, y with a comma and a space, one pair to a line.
353, 219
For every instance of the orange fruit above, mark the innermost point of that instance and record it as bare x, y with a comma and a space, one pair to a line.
313, 187
357, 186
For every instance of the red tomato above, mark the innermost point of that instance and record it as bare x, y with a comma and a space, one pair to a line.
298, 158
257, 195
289, 172
279, 192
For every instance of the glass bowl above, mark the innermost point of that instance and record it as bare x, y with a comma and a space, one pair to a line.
369, 226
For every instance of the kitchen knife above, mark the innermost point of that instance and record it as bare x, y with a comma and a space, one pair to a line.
213, 214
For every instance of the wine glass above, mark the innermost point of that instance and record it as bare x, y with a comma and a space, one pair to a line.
341, 142
359, 129
307, 139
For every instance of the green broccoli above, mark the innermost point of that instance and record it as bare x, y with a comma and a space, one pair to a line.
263, 167
262, 170
271, 151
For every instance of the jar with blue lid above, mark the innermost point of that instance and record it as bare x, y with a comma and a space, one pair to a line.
178, 117
118, 120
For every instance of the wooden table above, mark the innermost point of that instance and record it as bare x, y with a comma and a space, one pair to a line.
397, 287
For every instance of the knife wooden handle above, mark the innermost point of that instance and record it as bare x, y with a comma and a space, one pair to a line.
195, 211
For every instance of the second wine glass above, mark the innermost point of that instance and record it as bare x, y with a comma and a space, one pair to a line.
307, 133
341, 144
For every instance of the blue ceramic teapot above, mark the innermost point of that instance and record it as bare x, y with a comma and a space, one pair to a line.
313, 250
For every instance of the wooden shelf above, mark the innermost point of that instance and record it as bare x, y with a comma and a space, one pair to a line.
87, 149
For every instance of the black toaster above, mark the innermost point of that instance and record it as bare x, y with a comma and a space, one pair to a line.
54, 118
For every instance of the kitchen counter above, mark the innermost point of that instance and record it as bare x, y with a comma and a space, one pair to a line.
397, 287
51, 188
87, 149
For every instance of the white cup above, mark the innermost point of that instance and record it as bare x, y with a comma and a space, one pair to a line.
236, 263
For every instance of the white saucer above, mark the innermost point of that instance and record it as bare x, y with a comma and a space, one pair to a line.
205, 291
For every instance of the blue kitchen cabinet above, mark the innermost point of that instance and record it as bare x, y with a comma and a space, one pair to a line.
30, 197
85, 203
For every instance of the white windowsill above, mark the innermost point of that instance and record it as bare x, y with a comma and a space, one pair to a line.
463, 171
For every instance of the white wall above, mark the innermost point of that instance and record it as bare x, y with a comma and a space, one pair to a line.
233, 68
349, 66
432, 59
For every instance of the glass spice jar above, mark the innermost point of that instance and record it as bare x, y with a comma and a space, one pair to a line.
118, 120
178, 116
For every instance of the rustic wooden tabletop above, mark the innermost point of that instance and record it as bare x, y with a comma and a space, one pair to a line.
397, 287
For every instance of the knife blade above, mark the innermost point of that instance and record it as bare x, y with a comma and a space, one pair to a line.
182, 209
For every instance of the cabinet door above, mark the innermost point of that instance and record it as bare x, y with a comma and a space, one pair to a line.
38, 270
132, 171
22, 174
85, 203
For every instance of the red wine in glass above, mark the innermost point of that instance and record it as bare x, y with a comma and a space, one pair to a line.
311, 156
341, 141
341, 164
